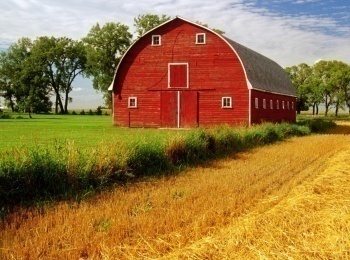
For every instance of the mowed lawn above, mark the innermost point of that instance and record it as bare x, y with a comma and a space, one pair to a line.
83, 131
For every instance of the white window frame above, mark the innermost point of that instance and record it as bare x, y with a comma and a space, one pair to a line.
204, 38
256, 102
159, 38
277, 104
224, 103
130, 100
264, 103
271, 104
188, 74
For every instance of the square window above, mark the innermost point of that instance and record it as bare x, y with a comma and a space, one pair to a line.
156, 40
200, 38
132, 102
271, 104
256, 103
226, 102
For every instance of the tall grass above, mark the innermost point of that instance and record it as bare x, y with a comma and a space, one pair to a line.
62, 170
283, 201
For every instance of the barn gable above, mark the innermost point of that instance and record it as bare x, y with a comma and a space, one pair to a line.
182, 74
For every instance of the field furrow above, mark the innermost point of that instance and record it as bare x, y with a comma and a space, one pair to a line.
287, 200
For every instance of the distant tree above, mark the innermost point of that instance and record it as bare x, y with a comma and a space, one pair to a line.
21, 79
145, 22
105, 45
214, 29
61, 60
299, 76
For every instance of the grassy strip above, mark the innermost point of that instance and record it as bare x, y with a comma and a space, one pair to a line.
62, 170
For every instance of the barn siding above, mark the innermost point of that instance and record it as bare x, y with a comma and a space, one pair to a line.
261, 114
214, 72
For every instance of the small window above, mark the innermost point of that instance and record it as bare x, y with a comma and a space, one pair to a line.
277, 104
156, 40
226, 102
288, 105
271, 104
200, 38
292, 105
132, 102
256, 103
264, 103
283, 104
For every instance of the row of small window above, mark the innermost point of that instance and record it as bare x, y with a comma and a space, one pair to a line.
271, 104
157, 39
226, 102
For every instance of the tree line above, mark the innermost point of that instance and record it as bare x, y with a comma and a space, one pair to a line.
33, 71
325, 82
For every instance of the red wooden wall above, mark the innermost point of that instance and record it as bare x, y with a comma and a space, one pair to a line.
214, 71
277, 113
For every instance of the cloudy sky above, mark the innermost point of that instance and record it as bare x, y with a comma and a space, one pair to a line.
287, 31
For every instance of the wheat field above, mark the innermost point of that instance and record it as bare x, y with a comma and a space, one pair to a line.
289, 200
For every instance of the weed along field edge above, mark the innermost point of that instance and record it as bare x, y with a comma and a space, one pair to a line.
51, 166
289, 199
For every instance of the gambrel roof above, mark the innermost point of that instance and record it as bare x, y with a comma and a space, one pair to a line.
261, 72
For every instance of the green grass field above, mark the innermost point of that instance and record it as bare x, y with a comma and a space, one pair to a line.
84, 131
61, 156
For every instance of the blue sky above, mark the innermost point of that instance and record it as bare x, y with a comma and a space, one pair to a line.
287, 31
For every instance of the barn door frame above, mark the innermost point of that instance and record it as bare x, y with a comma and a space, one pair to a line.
182, 111
175, 72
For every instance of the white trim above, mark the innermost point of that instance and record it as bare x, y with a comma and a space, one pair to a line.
188, 76
222, 102
204, 38
250, 107
129, 99
178, 109
160, 40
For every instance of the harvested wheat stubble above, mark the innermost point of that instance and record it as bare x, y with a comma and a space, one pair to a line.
285, 200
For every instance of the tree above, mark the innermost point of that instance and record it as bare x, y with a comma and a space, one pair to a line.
20, 79
104, 46
144, 23
299, 76
214, 29
61, 60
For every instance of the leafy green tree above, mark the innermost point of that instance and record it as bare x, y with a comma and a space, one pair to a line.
61, 60
145, 22
299, 76
332, 79
105, 45
20, 79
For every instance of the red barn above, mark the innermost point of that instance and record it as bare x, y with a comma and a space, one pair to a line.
182, 74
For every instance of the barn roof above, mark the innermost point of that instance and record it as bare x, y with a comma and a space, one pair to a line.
261, 72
